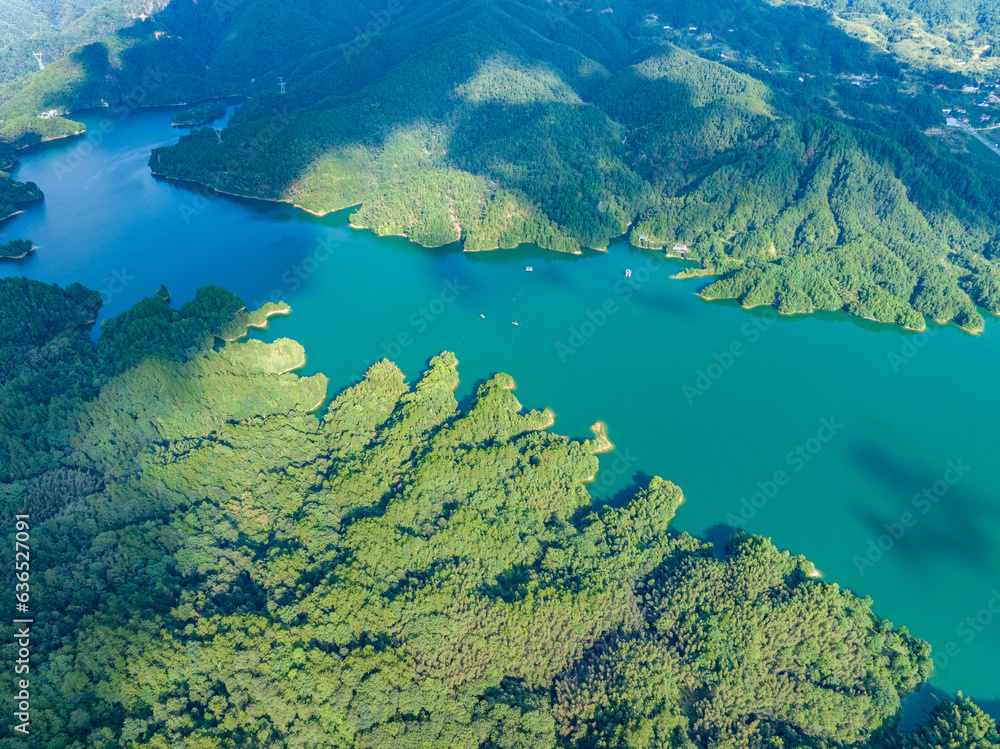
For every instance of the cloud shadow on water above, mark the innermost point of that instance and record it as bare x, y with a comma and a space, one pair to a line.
959, 525
659, 303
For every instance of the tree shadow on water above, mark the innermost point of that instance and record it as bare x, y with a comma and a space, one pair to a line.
917, 707
599, 490
718, 535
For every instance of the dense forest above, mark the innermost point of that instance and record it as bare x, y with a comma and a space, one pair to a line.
747, 141
55, 27
199, 114
15, 249
225, 554
224, 557
12, 193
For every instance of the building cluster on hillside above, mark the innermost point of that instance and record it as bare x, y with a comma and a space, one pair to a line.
985, 100
862, 79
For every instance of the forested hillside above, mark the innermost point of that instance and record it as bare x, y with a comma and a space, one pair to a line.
782, 151
55, 27
516, 121
224, 558
948, 34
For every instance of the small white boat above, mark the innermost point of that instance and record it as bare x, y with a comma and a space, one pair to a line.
515, 323
628, 273
528, 268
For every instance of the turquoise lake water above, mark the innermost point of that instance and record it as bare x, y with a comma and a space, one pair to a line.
869, 449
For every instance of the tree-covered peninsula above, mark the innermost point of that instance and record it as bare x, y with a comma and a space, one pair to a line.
14, 193
199, 114
225, 557
15, 249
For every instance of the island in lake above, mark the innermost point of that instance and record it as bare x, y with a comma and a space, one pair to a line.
16, 249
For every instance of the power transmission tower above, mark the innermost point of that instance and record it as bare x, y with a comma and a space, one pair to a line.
281, 84
38, 56
218, 133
